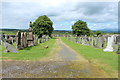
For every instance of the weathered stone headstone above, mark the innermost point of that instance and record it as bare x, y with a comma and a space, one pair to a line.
30, 37
18, 40
110, 43
47, 38
103, 41
118, 43
97, 41
10, 48
94, 42
10, 40
100, 42
89, 40
25, 39
92, 39
6, 37
84, 40
35, 40
22, 40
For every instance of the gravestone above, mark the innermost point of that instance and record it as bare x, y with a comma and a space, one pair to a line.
6, 36
84, 40
118, 43
94, 42
89, 40
10, 40
2, 36
18, 40
100, 42
110, 43
97, 41
92, 39
25, 39
103, 41
47, 38
80, 40
22, 40
10, 48
35, 40
30, 37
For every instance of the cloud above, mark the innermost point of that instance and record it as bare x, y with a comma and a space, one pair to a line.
62, 12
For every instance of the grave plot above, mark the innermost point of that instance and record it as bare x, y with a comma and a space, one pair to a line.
108, 43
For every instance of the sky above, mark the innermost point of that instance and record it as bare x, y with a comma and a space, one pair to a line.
63, 13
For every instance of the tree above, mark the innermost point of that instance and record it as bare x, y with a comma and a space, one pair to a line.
80, 28
98, 33
42, 26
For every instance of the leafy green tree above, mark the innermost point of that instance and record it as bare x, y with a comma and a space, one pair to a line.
98, 33
80, 28
42, 26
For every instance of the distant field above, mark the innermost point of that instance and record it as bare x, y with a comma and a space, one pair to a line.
8, 32
108, 59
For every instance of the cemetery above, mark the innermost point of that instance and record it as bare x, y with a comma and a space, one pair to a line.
27, 46
77, 44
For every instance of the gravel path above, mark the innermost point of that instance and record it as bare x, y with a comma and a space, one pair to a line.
66, 63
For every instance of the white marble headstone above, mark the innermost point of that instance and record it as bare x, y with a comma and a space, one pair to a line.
110, 42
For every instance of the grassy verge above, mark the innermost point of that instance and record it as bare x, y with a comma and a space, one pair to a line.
108, 60
31, 53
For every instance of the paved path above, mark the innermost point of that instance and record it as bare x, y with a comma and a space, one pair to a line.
65, 63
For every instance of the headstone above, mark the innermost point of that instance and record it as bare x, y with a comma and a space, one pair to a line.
103, 41
2, 36
110, 43
6, 37
22, 40
35, 40
97, 41
88, 41
18, 40
92, 39
118, 43
10, 40
100, 42
25, 39
30, 37
9, 48
47, 38
84, 40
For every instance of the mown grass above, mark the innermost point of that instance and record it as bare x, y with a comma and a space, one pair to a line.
108, 60
31, 53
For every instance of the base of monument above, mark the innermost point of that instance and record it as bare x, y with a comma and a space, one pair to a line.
108, 50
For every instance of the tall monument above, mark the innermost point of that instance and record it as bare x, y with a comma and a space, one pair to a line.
30, 38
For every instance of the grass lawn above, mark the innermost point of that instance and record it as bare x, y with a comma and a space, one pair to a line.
31, 53
108, 60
